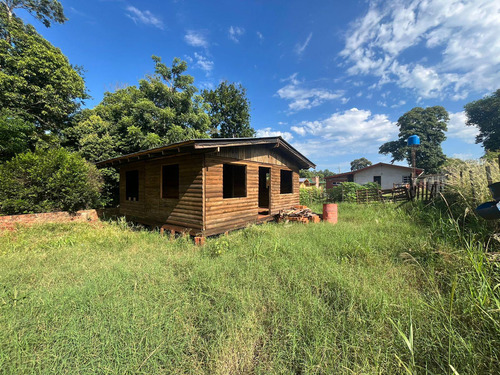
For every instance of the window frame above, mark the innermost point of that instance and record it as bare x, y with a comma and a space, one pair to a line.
235, 165
127, 173
162, 181
290, 172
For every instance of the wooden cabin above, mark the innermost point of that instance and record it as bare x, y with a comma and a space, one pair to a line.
209, 186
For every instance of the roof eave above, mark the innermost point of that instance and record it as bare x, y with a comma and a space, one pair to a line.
209, 143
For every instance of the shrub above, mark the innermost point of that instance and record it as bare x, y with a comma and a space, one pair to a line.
48, 180
345, 192
312, 195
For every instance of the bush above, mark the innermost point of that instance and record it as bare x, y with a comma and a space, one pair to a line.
345, 192
312, 195
48, 180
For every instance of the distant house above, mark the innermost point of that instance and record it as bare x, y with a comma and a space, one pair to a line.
386, 175
209, 186
304, 182
311, 182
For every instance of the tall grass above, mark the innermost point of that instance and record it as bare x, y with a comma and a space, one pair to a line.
383, 291
468, 180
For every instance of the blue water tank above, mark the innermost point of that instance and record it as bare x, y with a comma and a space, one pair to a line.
413, 140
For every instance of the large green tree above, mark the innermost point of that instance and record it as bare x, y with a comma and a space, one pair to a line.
430, 125
37, 82
163, 108
229, 111
360, 163
485, 114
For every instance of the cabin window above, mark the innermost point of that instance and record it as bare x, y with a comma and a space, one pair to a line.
234, 181
377, 180
406, 179
132, 185
170, 181
286, 182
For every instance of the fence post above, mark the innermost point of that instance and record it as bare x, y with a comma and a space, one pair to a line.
474, 200
488, 175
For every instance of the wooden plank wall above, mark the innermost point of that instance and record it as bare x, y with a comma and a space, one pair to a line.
260, 154
187, 211
282, 201
223, 214
201, 206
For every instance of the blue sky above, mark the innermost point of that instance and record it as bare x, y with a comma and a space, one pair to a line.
331, 77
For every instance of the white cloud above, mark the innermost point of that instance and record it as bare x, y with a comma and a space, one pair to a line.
345, 132
299, 130
300, 48
458, 129
144, 16
301, 97
466, 156
203, 63
206, 85
196, 39
259, 34
235, 33
268, 132
398, 104
462, 33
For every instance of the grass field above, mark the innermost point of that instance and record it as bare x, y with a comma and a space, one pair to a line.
381, 292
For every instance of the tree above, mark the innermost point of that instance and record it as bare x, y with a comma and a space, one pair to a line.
37, 82
485, 114
360, 163
162, 109
306, 173
429, 124
229, 111
43, 10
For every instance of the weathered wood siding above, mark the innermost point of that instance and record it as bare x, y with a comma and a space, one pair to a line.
282, 201
187, 211
223, 214
201, 206
259, 154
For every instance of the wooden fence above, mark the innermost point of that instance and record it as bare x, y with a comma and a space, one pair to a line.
422, 191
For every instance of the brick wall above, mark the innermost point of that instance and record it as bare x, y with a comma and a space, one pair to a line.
10, 222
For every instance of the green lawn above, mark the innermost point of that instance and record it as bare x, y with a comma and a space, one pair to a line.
269, 299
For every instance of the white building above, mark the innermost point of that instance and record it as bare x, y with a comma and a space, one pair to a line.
386, 175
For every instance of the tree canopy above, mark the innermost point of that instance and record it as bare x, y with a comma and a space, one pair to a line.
229, 111
162, 109
306, 173
360, 163
429, 124
37, 82
43, 10
485, 114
